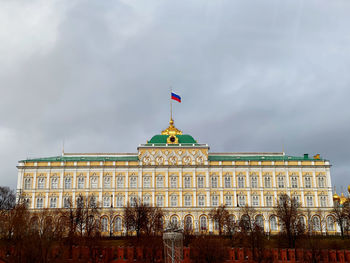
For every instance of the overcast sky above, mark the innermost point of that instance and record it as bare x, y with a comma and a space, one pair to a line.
262, 75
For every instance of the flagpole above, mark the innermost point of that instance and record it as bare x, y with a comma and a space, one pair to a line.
171, 105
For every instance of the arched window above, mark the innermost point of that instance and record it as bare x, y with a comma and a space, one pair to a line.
188, 200
117, 224
160, 181
215, 200
188, 223
200, 182
273, 223
173, 200
41, 183
203, 223
267, 181
187, 182
81, 182
53, 202
294, 182
321, 181
254, 182
302, 222
173, 181
330, 223
280, 181
104, 224
107, 181
66, 202
120, 182
133, 182
316, 223
146, 200
259, 221
54, 183
227, 181
106, 201
214, 182
146, 182
94, 182
241, 182
39, 202
174, 221
201, 200
160, 200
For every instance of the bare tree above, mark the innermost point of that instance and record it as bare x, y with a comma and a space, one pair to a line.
288, 213
221, 217
341, 216
7, 198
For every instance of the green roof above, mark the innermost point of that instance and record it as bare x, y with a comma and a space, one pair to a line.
83, 158
261, 158
162, 139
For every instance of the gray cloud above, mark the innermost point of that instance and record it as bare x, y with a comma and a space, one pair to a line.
254, 76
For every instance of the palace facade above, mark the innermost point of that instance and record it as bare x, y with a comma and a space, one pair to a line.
173, 171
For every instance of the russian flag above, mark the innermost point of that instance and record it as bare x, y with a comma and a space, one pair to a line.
175, 97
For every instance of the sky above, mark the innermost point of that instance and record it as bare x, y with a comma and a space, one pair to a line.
254, 76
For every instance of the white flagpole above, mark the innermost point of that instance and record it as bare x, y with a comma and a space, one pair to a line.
171, 104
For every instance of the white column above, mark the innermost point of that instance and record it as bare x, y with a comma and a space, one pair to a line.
262, 201
208, 198
235, 201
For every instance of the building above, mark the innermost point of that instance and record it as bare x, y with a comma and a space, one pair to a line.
172, 170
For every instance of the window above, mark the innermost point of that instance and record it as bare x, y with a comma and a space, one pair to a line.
41, 183
68, 183
241, 182
321, 181
133, 182
297, 198
330, 223
174, 221
307, 182
120, 181
106, 201
254, 182
302, 222
92, 201
160, 181
117, 224
54, 183
323, 201
316, 223
227, 181
107, 182
104, 224
268, 181
53, 202
187, 182
27, 183
66, 202
147, 182
203, 223
81, 182
132, 200
309, 201
255, 200
188, 223
173, 181
294, 182
268, 201
273, 223
260, 221
173, 200
120, 201
228, 200
214, 182
94, 182
188, 200
280, 181
214, 200
201, 200
39, 202
200, 183
146, 200
160, 201
241, 200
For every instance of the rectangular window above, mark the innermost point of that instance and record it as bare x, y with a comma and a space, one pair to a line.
120, 201
268, 201
81, 182
173, 182
66, 202
294, 182
147, 182
268, 182
321, 181
241, 200
297, 198
227, 182
173, 200
68, 183
147, 200
160, 181
94, 182
39, 202
160, 201
307, 182
214, 182
107, 182
228, 200
133, 182
41, 183
200, 183
214, 200
254, 182
323, 201
27, 183
280, 180
106, 201
188, 200
54, 183
255, 200
240, 182
53, 202
201, 200
120, 182
309, 201
187, 182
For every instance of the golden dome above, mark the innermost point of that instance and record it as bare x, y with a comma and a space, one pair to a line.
342, 198
171, 130
336, 197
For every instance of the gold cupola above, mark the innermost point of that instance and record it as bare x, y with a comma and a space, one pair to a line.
172, 131
336, 197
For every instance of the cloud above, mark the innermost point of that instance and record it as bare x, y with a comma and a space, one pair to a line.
254, 76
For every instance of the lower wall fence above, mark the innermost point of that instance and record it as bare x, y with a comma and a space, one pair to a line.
235, 255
